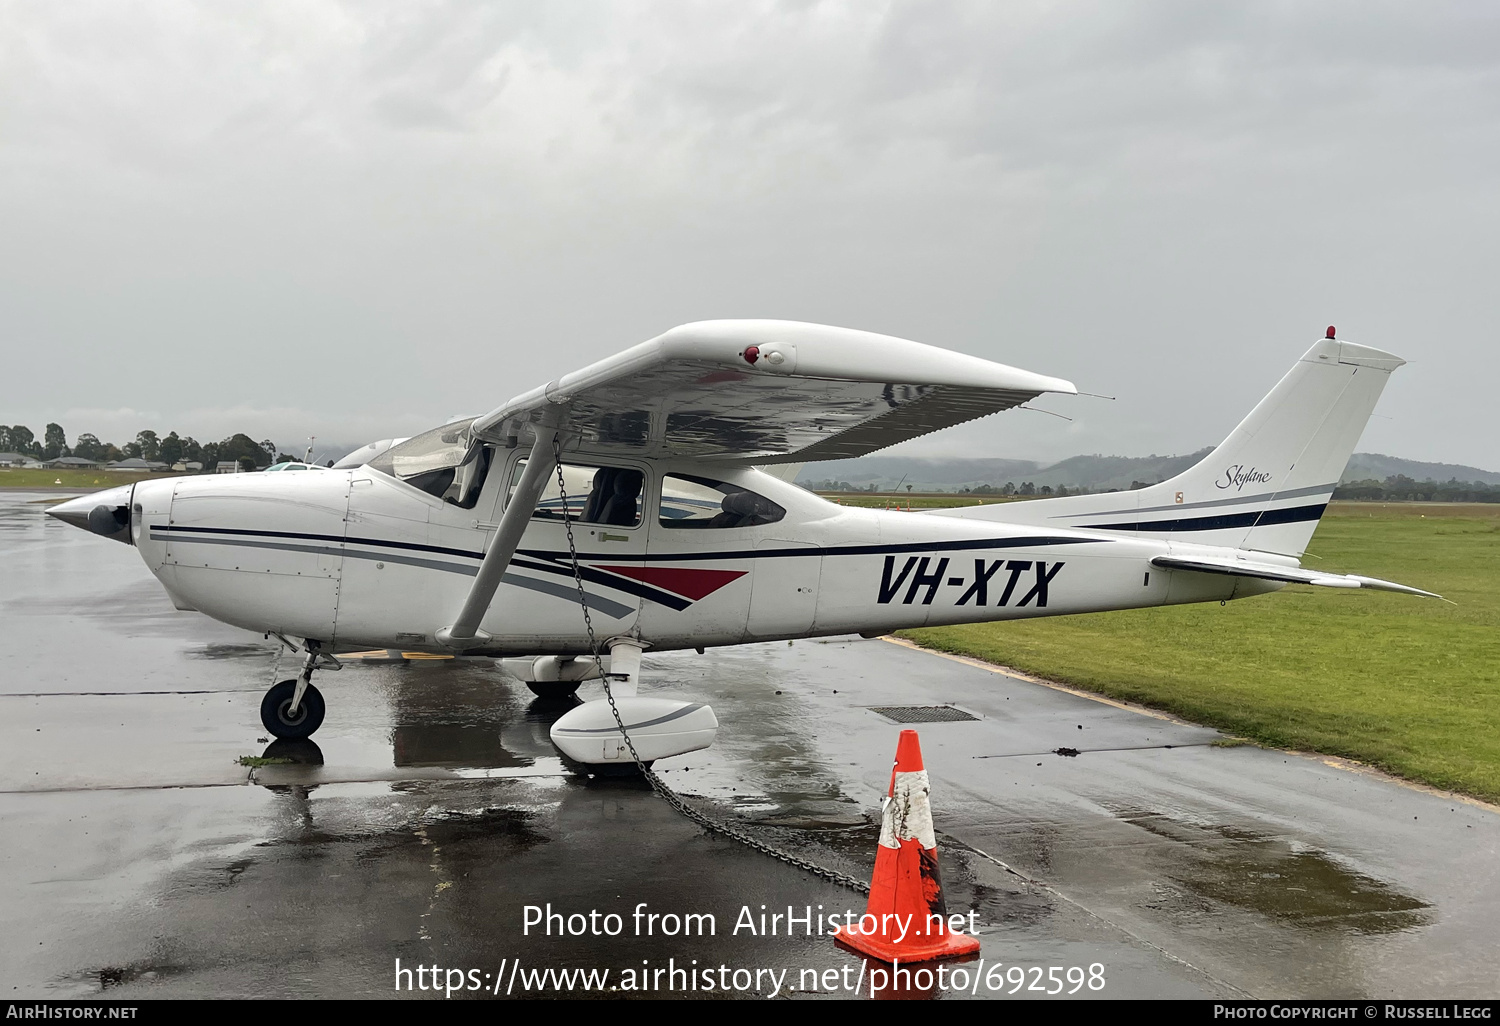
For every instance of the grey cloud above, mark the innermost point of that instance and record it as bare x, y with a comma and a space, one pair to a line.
324, 210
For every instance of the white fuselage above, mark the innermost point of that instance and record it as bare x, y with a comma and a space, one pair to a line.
358, 558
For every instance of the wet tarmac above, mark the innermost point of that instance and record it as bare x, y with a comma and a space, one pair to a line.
142, 858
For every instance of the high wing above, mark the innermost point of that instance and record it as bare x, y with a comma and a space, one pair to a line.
1276, 572
764, 391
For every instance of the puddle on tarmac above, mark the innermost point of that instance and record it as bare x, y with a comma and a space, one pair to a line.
224, 650
452, 745
1301, 886
105, 977
458, 716
514, 829
293, 751
820, 816
972, 882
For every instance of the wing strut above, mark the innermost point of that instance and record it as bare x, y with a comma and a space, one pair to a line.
465, 632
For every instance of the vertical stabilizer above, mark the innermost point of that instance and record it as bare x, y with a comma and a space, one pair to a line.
1267, 484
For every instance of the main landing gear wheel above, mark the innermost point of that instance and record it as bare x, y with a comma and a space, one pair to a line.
288, 726
553, 689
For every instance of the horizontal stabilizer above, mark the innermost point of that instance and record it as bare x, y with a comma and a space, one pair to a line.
1285, 574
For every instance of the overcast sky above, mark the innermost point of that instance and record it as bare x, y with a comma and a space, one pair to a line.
356, 220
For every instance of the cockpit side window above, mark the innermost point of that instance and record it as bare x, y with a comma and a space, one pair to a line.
700, 503
596, 495
446, 463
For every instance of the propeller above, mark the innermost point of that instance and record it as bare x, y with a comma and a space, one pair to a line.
109, 520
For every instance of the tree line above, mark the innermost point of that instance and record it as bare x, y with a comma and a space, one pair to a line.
148, 445
1396, 488
1026, 488
1400, 488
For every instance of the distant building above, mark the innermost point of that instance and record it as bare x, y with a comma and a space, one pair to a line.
227, 467
187, 466
16, 459
136, 465
70, 463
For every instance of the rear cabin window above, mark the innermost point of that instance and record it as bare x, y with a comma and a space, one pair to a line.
697, 503
595, 495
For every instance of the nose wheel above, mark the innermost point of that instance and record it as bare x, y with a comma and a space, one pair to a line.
277, 716
293, 709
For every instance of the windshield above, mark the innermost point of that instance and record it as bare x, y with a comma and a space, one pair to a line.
443, 462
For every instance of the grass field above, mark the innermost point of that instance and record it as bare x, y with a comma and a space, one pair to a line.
1407, 684
11, 478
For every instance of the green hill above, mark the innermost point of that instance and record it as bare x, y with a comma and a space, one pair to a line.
1095, 472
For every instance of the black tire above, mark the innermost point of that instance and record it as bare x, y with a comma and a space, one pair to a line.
309, 713
553, 689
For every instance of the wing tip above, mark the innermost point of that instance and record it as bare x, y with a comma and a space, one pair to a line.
1376, 584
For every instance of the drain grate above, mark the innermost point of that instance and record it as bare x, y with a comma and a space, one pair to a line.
922, 713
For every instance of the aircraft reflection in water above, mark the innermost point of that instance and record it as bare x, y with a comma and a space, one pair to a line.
638, 491
459, 721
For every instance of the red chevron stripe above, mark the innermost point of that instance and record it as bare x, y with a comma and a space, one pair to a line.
687, 582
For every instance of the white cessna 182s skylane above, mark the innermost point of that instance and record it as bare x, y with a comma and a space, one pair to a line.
632, 491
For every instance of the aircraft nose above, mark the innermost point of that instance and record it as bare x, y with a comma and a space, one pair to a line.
105, 513
74, 511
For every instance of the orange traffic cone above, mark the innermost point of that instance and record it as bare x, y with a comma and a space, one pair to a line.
906, 918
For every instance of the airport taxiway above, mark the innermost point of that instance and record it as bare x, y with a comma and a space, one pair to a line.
141, 859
